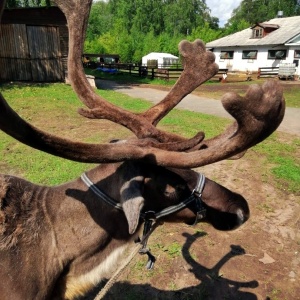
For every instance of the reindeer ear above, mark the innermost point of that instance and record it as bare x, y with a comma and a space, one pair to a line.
132, 201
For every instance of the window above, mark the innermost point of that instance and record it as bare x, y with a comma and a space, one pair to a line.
249, 54
297, 54
257, 33
276, 54
226, 55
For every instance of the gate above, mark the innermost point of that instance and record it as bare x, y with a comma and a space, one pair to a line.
30, 53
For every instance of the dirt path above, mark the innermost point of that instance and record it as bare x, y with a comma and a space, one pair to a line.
290, 123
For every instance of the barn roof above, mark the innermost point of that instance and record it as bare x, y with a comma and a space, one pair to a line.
288, 29
34, 16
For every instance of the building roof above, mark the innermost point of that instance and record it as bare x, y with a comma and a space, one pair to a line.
34, 16
156, 55
289, 28
265, 25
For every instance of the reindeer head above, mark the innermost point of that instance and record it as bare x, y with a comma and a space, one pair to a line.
151, 188
145, 191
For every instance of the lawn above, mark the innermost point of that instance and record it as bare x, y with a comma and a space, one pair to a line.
53, 108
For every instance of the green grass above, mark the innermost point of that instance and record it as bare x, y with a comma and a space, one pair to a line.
173, 249
53, 107
40, 104
283, 159
292, 95
182, 122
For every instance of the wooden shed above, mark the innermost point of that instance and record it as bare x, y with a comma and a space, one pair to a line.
33, 44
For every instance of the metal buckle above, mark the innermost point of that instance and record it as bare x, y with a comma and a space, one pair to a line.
196, 193
150, 215
201, 211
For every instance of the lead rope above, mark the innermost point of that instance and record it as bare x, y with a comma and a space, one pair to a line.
116, 275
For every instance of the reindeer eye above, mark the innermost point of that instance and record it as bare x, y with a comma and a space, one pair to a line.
174, 191
180, 188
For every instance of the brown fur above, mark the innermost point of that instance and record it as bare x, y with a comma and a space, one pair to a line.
4, 186
19, 216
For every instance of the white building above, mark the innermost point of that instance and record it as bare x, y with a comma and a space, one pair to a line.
163, 59
265, 44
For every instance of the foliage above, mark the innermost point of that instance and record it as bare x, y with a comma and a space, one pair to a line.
205, 33
136, 28
144, 26
253, 11
27, 3
100, 20
235, 26
160, 16
133, 29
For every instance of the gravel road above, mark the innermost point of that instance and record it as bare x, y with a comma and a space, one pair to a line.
290, 123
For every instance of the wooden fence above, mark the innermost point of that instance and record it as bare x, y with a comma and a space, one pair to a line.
138, 71
167, 73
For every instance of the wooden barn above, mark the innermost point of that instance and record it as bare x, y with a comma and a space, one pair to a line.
33, 44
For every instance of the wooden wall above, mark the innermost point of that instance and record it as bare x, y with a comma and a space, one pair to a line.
33, 45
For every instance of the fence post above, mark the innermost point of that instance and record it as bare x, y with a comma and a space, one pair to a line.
152, 74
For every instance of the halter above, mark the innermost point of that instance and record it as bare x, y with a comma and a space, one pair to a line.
150, 217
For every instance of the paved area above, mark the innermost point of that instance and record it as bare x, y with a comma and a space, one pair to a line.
290, 123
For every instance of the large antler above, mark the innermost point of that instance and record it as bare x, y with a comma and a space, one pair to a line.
77, 13
257, 114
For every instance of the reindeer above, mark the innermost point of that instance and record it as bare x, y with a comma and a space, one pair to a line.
59, 242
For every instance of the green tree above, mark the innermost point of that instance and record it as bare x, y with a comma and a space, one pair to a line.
183, 21
235, 26
135, 28
205, 33
100, 20
27, 3
253, 11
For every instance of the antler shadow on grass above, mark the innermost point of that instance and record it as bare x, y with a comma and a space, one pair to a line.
213, 286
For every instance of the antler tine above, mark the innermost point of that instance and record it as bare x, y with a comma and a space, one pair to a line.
258, 114
77, 13
199, 66
12, 124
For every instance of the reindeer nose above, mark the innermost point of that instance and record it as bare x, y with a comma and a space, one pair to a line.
242, 216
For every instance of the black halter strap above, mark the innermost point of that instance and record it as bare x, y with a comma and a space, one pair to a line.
150, 217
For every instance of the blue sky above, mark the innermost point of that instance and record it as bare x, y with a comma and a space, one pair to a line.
222, 9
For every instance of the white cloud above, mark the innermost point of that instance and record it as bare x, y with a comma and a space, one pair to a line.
222, 9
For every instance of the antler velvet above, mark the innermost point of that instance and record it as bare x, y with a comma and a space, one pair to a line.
256, 115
